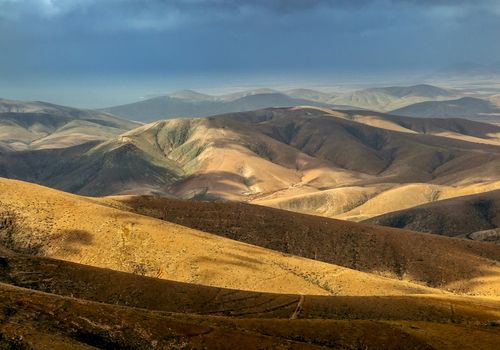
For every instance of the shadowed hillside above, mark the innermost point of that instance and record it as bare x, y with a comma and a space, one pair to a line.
475, 216
56, 307
48, 320
466, 107
50, 223
268, 153
396, 253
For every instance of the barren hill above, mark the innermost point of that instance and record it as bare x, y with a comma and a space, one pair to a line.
254, 155
465, 107
357, 203
389, 252
193, 104
81, 307
474, 216
50, 223
388, 98
40, 125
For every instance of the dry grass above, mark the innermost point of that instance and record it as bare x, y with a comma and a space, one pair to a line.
461, 216
60, 311
459, 265
50, 223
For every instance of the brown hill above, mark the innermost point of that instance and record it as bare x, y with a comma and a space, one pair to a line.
388, 252
49, 304
461, 216
126, 289
40, 125
245, 156
66, 314
50, 223
465, 107
357, 203
42, 320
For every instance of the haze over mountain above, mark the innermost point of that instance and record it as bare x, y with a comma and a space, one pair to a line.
465, 107
389, 98
40, 125
470, 70
193, 104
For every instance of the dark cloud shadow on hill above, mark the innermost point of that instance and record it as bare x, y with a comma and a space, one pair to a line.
72, 241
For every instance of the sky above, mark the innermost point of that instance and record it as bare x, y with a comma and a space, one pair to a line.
95, 53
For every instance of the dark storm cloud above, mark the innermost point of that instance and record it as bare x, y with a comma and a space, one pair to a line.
71, 39
14, 9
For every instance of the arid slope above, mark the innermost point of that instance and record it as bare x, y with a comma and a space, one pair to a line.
463, 266
475, 216
40, 125
254, 155
59, 310
50, 223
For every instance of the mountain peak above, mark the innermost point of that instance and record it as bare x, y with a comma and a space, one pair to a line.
190, 95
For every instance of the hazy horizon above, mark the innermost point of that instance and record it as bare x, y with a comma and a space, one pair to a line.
89, 53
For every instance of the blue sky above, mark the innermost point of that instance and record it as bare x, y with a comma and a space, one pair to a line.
102, 52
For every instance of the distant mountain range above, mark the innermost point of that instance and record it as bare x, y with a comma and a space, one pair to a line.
465, 107
187, 103
193, 104
389, 98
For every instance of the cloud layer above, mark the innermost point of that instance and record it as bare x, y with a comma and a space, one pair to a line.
71, 39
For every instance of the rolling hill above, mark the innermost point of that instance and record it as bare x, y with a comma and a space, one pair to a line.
269, 153
396, 253
388, 98
308, 94
465, 107
49, 303
40, 125
188, 103
50, 223
97, 294
54, 224
357, 203
474, 216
